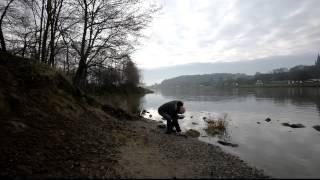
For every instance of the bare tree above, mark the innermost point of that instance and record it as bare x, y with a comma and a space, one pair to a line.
107, 26
85, 38
2, 40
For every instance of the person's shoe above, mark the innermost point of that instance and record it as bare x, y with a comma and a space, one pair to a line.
181, 134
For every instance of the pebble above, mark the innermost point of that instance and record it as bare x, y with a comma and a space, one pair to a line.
268, 120
293, 125
317, 127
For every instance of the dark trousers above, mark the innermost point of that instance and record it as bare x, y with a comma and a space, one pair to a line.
171, 122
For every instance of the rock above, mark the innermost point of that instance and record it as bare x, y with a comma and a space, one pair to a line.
17, 126
258, 123
143, 111
227, 143
317, 127
148, 112
191, 117
162, 126
192, 133
268, 120
297, 126
293, 125
194, 123
204, 118
150, 116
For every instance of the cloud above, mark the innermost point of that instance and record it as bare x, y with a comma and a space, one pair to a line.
188, 31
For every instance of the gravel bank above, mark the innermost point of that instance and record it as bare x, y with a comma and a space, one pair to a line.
150, 153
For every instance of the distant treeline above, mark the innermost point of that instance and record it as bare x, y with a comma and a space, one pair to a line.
296, 76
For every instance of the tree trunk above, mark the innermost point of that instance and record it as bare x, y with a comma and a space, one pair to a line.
3, 44
45, 34
24, 45
52, 35
40, 30
67, 59
81, 75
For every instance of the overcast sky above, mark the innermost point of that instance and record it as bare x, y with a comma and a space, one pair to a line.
188, 31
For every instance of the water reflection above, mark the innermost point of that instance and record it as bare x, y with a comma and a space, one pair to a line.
297, 96
280, 151
131, 103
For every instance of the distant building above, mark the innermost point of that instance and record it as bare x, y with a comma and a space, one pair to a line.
279, 82
259, 83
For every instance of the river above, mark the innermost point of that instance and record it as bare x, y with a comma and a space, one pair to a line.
282, 152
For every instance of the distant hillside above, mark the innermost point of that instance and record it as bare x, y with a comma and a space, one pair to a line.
151, 76
297, 76
216, 79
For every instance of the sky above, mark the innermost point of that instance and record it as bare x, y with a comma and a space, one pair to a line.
194, 31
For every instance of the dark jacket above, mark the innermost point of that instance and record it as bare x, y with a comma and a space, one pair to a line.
170, 108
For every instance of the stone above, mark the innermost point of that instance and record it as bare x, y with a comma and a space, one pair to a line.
162, 126
143, 111
268, 120
17, 126
293, 125
258, 123
193, 133
316, 127
227, 143
194, 123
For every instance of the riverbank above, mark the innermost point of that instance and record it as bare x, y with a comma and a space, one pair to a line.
51, 129
150, 153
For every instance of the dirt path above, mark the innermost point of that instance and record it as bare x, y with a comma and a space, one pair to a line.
152, 154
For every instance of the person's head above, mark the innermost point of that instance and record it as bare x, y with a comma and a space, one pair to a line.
180, 107
182, 110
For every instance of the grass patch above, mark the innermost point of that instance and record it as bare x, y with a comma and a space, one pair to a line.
216, 126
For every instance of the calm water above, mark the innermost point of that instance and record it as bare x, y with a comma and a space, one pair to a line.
280, 151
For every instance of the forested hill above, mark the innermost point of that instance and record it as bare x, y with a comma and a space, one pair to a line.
198, 80
301, 75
